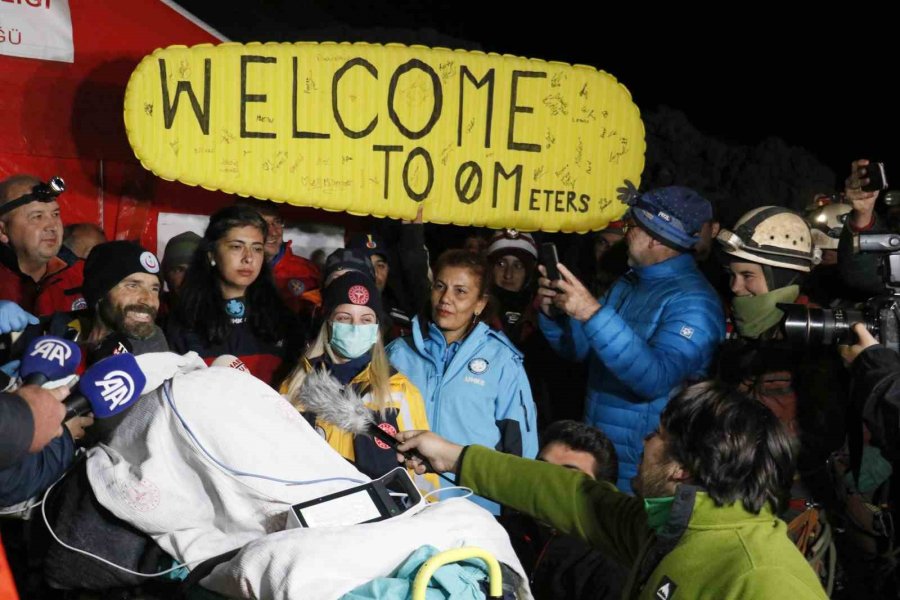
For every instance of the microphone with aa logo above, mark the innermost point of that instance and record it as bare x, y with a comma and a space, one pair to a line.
48, 358
110, 386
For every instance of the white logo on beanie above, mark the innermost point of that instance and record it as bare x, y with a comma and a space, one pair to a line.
149, 262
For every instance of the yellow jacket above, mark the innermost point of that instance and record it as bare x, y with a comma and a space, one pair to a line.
408, 406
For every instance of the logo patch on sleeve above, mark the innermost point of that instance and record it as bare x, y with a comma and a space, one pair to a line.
296, 287
666, 589
687, 332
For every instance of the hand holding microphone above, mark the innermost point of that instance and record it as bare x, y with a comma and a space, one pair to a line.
425, 450
106, 388
330, 401
47, 413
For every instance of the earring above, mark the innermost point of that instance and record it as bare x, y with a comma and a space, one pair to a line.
212, 262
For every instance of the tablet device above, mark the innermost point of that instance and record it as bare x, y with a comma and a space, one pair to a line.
389, 496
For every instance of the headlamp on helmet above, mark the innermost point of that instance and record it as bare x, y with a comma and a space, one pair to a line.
772, 235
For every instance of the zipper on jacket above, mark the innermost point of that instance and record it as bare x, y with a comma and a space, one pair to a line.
524, 416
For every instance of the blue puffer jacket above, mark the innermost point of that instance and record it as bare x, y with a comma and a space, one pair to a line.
658, 327
475, 393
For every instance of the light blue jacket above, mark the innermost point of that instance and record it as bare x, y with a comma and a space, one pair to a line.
658, 327
475, 392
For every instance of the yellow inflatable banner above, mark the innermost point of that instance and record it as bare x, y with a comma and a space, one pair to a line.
480, 139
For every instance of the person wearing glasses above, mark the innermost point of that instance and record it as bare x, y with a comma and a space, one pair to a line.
654, 330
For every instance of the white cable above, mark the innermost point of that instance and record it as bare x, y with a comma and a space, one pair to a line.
15, 509
447, 489
226, 468
101, 559
231, 470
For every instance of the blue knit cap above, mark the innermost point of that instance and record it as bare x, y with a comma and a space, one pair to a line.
675, 214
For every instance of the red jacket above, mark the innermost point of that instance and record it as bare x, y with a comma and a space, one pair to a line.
294, 277
55, 292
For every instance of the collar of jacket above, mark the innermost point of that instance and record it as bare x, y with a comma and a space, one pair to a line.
671, 267
285, 249
693, 509
9, 260
360, 381
475, 337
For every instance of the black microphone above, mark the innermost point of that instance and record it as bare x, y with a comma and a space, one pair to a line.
113, 344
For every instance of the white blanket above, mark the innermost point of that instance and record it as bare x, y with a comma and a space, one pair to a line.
169, 470
326, 563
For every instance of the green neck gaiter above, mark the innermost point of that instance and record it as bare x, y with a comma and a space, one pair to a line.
658, 510
754, 315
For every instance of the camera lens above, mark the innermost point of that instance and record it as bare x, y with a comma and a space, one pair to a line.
819, 326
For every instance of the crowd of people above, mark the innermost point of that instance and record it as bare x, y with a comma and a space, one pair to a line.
692, 444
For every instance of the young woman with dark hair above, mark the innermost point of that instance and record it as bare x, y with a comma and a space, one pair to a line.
471, 376
229, 304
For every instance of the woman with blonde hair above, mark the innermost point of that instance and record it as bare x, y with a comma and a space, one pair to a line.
349, 347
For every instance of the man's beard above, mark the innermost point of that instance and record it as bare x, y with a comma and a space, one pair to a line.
115, 318
652, 482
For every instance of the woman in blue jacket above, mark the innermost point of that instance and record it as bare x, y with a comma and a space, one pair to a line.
471, 377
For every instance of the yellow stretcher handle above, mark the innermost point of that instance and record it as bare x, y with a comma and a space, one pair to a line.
495, 576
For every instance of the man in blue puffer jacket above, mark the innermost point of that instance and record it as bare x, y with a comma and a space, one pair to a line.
655, 329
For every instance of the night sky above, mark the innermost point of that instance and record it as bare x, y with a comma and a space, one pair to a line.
740, 72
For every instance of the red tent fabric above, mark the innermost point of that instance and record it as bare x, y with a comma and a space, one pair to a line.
65, 119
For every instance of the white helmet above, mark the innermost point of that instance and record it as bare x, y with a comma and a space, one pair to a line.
826, 224
772, 235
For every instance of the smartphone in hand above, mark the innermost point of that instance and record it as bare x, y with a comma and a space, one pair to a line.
877, 177
549, 259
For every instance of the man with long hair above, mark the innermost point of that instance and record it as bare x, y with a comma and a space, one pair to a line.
712, 478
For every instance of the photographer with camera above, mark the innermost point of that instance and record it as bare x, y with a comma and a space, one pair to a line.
875, 374
862, 188
768, 254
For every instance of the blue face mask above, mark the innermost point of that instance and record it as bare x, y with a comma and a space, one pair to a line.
352, 341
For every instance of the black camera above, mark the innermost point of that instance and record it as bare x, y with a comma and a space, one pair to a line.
880, 314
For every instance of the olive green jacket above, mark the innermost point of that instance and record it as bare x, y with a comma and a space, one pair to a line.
703, 551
